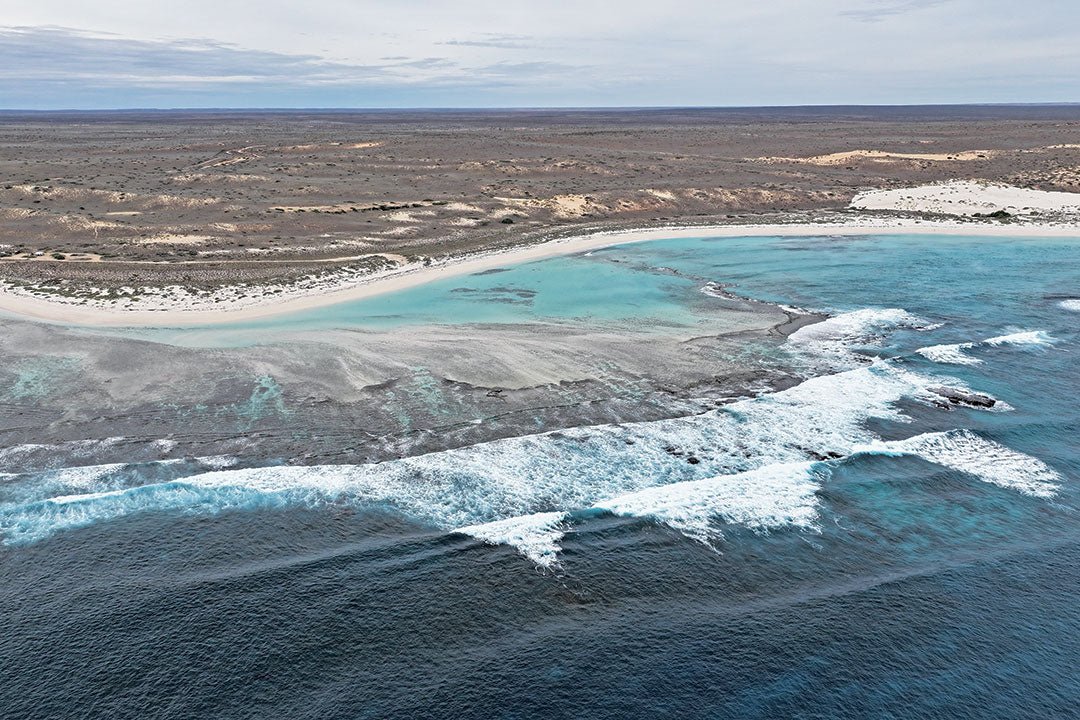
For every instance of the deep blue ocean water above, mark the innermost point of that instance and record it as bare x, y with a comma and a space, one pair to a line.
853, 547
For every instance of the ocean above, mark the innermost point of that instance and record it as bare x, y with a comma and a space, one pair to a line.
894, 535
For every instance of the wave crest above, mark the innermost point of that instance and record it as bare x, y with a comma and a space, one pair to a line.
956, 355
535, 536
835, 339
768, 497
987, 460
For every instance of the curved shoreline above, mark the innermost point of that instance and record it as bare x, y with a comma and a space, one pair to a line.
408, 276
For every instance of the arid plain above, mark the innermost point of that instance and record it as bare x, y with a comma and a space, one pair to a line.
92, 202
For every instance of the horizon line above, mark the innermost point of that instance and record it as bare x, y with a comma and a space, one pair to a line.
511, 108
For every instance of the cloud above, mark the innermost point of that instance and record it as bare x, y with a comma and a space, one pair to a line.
426, 63
64, 67
334, 53
492, 40
885, 9
538, 69
64, 55
44, 54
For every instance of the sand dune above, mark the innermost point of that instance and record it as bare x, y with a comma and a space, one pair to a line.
844, 158
965, 197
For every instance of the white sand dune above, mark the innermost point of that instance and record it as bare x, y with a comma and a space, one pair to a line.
967, 197
881, 156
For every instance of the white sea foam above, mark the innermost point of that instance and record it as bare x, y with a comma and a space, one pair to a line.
78, 478
857, 327
18, 451
768, 497
83, 498
1071, 304
949, 354
42, 454
1027, 337
956, 355
164, 445
535, 536
834, 339
987, 460
715, 290
218, 462
49, 483
91, 480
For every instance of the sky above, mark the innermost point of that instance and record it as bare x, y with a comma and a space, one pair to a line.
103, 54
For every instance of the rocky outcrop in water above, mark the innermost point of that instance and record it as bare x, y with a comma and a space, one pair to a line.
956, 396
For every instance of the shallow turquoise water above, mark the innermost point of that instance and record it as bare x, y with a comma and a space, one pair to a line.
579, 288
634, 286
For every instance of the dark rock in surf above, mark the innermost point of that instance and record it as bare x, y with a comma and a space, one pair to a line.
956, 396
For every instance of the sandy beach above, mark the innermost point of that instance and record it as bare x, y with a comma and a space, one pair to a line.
282, 299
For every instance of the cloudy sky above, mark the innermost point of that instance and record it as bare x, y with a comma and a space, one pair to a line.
507, 53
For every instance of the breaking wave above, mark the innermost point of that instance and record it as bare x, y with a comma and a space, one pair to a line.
768, 497
756, 463
836, 340
956, 355
535, 536
75, 481
989, 461
950, 354
1027, 337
